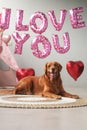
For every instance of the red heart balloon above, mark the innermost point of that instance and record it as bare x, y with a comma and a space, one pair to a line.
75, 68
22, 72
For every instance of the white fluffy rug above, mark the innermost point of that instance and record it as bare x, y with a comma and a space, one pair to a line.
32, 101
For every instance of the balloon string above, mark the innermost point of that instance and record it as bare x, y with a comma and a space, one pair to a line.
1, 34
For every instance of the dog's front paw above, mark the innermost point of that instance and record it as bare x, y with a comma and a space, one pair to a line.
51, 95
75, 96
57, 97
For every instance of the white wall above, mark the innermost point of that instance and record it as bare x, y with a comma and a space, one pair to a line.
78, 38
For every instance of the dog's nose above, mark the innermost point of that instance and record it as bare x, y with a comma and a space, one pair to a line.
53, 69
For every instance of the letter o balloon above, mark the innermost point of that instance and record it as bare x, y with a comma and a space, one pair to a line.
44, 22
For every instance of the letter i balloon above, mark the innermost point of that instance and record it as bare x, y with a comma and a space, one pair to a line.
5, 18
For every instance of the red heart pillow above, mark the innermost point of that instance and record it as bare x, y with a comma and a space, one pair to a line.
75, 68
22, 72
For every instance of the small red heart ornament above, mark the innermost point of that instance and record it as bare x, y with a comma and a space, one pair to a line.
22, 72
75, 68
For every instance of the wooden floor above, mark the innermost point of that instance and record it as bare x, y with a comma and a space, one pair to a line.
45, 119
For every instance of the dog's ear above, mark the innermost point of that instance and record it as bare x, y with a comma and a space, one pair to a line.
60, 67
45, 68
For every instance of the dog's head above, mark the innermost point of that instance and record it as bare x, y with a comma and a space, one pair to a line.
52, 69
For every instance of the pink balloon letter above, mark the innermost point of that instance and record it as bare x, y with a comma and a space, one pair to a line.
46, 44
66, 43
19, 41
75, 18
5, 18
19, 25
57, 25
43, 26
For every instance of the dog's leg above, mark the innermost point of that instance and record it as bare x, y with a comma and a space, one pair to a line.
20, 90
51, 95
23, 89
66, 94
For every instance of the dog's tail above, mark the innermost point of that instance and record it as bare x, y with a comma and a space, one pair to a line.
6, 91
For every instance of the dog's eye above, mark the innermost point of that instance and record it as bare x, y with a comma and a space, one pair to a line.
48, 66
55, 64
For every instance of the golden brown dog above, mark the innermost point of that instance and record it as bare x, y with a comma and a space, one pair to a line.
47, 85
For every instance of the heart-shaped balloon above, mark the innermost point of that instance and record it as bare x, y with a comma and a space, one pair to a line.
22, 72
6, 38
75, 68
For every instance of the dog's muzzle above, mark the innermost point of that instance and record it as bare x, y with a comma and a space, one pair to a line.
53, 73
